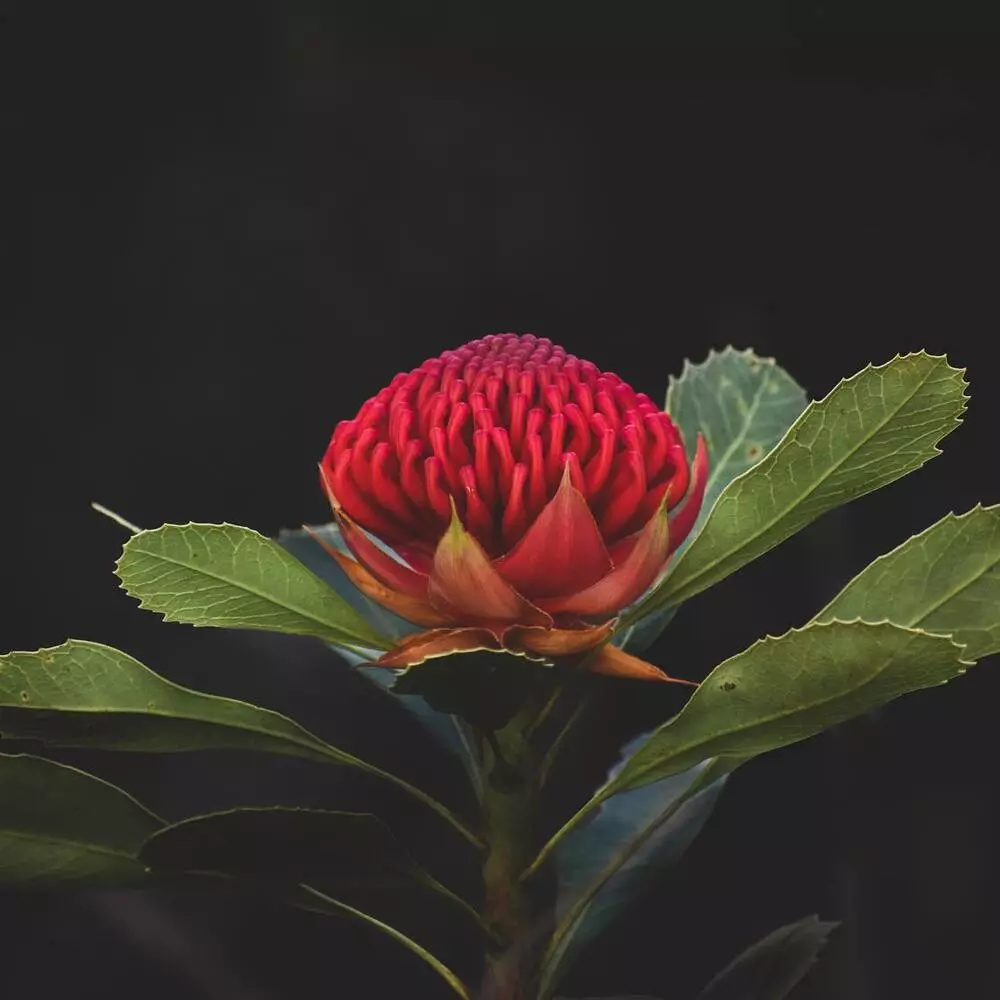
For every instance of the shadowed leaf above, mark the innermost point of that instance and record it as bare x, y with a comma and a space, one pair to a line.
308, 898
770, 969
59, 825
336, 852
88, 695
334, 863
605, 863
485, 689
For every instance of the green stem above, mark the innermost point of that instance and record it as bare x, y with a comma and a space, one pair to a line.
509, 803
407, 942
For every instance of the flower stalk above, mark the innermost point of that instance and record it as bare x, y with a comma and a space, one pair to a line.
512, 909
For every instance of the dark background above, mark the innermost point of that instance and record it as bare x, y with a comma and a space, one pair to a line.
231, 226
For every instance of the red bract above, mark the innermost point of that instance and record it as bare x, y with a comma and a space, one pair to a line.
526, 494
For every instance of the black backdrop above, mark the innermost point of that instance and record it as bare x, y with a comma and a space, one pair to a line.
239, 224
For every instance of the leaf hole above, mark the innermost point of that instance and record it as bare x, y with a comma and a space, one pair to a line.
728, 685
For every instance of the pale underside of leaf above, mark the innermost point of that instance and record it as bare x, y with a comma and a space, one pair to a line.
741, 403
641, 829
870, 430
945, 580
227, 576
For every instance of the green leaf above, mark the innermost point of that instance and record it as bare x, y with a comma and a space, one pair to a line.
945, 580
231, 577
301, 856
86, 694
484, 688
782, 690
603, 864
870, 430
450, 732
770, 969
333, 851
89, 695
305, 546
59, 825
283, 843
741, 403
309, 898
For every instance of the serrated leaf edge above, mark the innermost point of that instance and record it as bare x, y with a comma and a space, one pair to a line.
950, 518
611, 787
935, 450
364, 642
308, 740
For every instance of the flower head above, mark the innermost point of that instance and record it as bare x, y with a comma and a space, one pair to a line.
528, 495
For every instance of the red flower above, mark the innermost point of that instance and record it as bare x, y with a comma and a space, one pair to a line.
526, 494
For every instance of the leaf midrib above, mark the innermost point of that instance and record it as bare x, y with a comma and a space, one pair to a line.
337, 630
798, 500
950, 595
84, 845
323, 749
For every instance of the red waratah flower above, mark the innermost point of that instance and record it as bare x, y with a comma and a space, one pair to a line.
526, 494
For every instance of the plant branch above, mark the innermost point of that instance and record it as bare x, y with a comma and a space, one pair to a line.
407, 942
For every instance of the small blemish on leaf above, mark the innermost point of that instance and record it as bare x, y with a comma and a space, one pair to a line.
754, 452
728, 685
24, 696
150, 706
